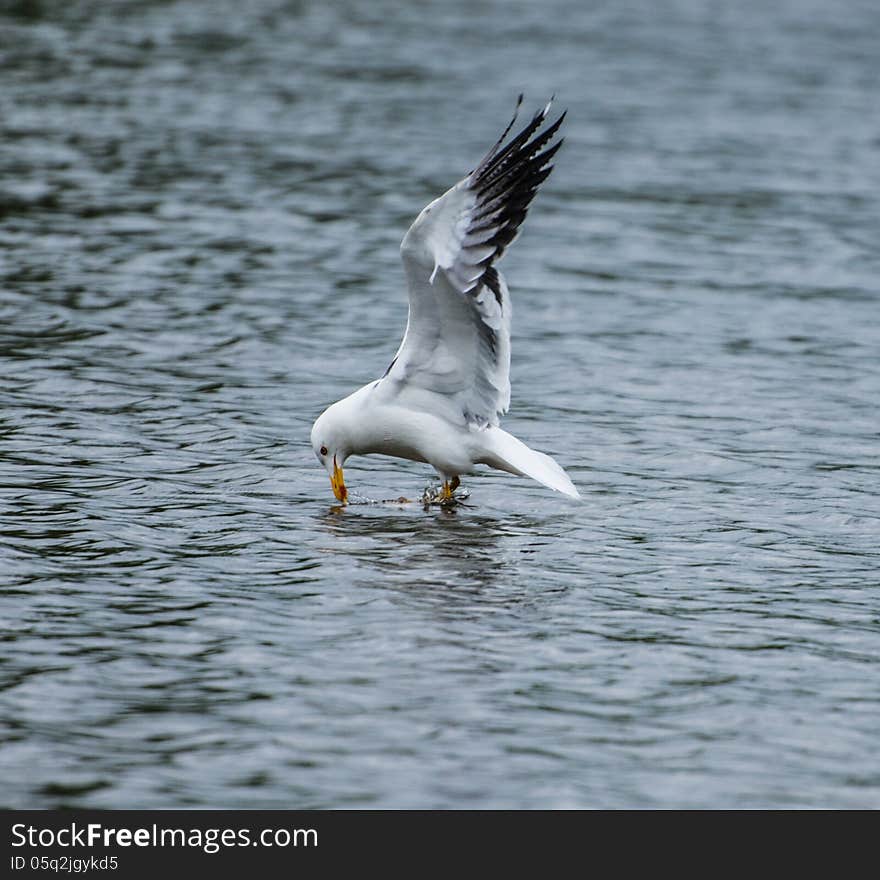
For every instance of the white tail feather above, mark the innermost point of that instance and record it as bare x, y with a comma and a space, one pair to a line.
506, 453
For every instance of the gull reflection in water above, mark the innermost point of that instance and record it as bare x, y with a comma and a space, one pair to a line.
455, 553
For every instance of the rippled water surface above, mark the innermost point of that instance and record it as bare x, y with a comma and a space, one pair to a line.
201, 207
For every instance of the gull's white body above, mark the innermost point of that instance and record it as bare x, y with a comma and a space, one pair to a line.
387, 428
441, 399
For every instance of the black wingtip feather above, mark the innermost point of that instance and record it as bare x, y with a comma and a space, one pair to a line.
506, 181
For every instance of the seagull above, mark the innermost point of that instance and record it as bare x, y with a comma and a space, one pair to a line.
442, 396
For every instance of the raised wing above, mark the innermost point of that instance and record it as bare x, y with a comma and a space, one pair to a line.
457, 341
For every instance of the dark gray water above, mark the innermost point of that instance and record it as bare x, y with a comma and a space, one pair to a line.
201, 207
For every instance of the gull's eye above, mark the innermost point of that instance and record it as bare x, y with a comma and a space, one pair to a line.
323, 450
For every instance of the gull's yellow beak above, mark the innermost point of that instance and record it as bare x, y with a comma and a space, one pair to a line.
337, 481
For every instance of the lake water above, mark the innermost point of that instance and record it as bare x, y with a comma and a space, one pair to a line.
201, 210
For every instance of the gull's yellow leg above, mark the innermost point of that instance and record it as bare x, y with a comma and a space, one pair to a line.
446, 493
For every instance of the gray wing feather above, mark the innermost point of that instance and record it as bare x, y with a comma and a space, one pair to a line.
457, 341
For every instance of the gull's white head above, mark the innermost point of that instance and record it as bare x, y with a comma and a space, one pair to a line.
329, 443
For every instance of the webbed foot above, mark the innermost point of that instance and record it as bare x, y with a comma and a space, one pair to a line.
445, 495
